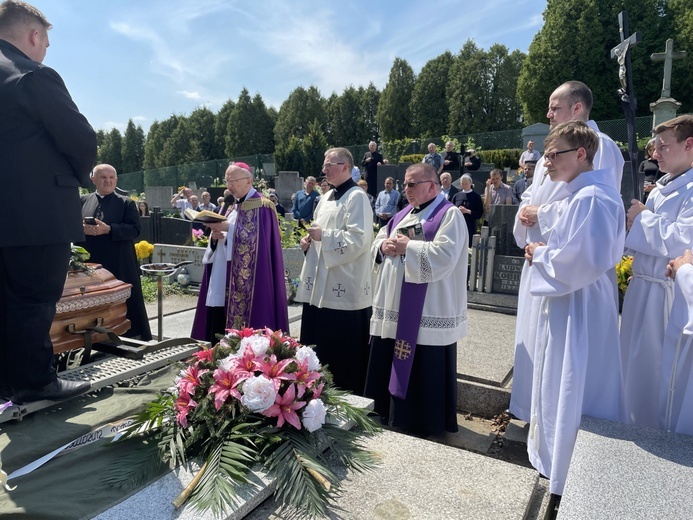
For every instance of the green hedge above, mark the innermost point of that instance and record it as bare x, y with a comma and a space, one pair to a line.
412, 158
509, 157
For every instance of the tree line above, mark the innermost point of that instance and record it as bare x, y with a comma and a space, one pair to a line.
473, 91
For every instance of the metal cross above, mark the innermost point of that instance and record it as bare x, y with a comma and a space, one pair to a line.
628, 102
338, 290
668, 56
402, 349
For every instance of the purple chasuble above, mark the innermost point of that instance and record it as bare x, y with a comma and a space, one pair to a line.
255, 274
411, 304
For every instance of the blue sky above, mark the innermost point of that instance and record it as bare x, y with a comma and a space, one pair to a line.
147, 59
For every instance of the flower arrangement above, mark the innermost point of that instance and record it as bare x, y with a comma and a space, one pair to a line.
78, 259
143, 249
257, 397
199, 238
624, 273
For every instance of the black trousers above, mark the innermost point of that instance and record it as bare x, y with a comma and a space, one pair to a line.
32, 279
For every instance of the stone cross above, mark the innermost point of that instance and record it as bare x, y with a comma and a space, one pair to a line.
668, 56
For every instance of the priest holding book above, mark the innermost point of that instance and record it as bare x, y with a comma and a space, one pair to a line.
243, 284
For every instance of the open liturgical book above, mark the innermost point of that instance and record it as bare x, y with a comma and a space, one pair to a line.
204, 216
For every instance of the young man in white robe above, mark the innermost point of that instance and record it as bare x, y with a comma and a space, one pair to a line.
577, 365
659, 231
419, 309
336, 285
676, 390
571, 101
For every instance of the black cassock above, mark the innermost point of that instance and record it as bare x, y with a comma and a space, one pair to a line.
116, 251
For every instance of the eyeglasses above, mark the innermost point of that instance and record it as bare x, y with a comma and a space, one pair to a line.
328, 164
412, 184
551, 156
230, 181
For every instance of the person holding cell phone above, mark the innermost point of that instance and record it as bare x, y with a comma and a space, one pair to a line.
111, 225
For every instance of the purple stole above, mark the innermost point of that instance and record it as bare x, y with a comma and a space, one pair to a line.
411, 304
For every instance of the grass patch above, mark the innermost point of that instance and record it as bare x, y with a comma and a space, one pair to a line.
150, 291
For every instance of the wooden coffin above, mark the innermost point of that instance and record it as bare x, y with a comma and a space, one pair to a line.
88, 297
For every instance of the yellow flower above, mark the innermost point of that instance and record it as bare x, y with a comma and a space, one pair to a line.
624, 272
143, 249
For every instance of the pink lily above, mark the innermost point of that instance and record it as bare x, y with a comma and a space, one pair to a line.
274, 370
305, 378
284, 408
225, 385
191, 380
184, 404
204, 355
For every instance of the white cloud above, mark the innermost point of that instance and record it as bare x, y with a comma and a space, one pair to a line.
140, 119
190, 95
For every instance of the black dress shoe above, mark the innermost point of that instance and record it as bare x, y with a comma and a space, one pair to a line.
60, 389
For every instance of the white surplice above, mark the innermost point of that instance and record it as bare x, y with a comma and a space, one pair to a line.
656, 237
577, 365
441, 263
336, 272
545, 193
676, 390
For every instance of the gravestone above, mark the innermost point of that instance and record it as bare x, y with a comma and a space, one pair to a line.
146, 230
286, 184
537, 133
507, 271
293, 261
270, 169
171, 254
389, 170
158, 197
501, 219
175, 231
665, 107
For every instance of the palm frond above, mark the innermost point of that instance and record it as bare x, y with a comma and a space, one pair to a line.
290, 462
226, 468
136, 467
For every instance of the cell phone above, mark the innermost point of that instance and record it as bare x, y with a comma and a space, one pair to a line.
90, 221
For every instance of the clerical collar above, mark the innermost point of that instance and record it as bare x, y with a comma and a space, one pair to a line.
423, 206
343, 188
240, 201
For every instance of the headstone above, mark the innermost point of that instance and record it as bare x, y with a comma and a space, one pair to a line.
666, 106
158, 197
506, 274
501, 219
146, 230
389, 170
286, 184
269, 169
293, 261
165, 253
175, 231
537, 133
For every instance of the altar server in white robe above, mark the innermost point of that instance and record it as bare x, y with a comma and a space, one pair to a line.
336, 285
659, 231
676, 390
419, 309
577, 365
571, 101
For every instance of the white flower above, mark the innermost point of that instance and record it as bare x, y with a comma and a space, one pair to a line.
258, 393
308, 355
228, 362
313, 416
259, 344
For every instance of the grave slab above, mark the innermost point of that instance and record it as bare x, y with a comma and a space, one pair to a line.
155, 501
628, 471
174, 254
419, 479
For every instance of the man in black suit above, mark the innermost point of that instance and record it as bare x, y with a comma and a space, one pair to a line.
47, 149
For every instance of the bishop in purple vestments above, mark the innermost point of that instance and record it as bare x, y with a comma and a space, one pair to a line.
243, 283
